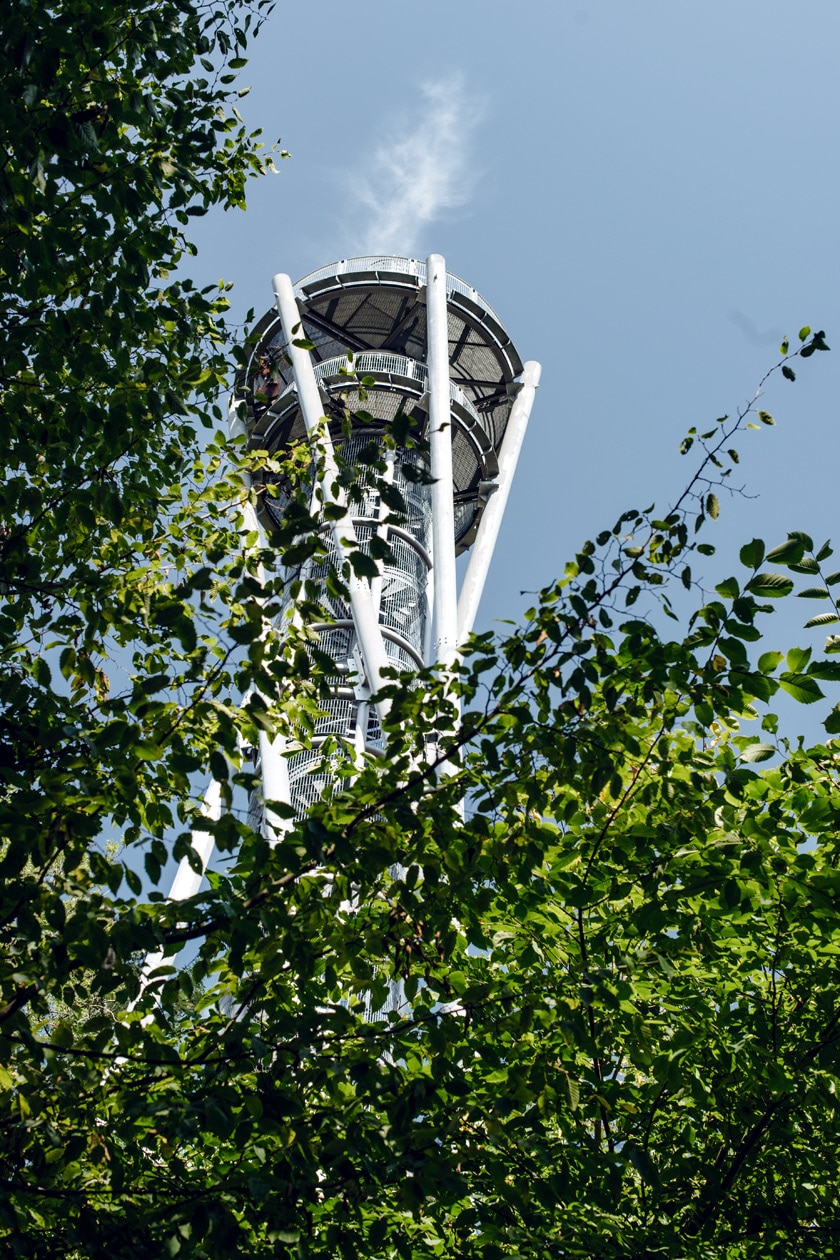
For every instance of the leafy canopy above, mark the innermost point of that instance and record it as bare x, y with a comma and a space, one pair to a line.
618, 1030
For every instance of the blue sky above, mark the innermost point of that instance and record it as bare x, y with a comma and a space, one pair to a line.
647, 193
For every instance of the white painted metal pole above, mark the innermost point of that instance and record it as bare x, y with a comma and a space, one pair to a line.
440, 450
274, 769
365, 619
488, 529
428, 642
187, 881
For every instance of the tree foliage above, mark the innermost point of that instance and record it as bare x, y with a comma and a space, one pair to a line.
610, 897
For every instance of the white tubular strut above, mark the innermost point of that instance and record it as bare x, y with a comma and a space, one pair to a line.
365, 619
187, 881
440, 450
274, 769
428, 642
488, 529
275, 777
273, 765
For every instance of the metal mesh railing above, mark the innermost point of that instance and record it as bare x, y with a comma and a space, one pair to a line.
381, 363
391, 264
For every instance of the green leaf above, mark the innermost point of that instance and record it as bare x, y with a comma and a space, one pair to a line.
826, 671
784, 347
62, 1035
788, 373
822, 619
757, 686
765, 417
734, 650
806, 565
363, 565
145, 750
813, 592
713, 506
133, 880
219, 766
789, 552
801, 687
770, 585
751, 633
768, 661
41, 672
832, 722
804, 332
729, 588
704, 713
752, 553
797, 659
832, 643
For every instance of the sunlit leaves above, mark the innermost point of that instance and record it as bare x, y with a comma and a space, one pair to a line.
801, 686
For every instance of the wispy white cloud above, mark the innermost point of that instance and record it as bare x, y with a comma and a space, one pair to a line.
421, 169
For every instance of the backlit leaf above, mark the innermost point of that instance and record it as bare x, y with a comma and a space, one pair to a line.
801, 687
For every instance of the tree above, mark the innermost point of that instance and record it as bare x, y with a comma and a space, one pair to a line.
620, 1031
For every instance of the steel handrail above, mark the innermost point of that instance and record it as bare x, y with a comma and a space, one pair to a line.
392, 263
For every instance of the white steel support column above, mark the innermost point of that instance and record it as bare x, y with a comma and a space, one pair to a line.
440, 447
365, 619
488, 529
428, 642
187, 881
275, 775
274, 768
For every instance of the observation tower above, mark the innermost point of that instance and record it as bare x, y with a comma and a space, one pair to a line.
427, 348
